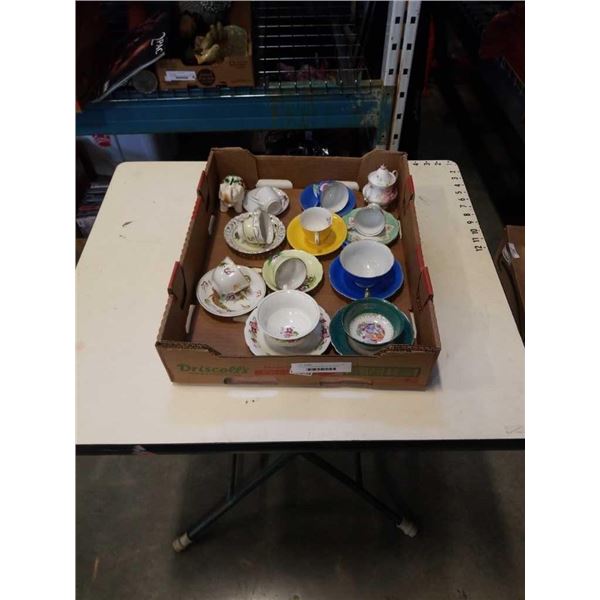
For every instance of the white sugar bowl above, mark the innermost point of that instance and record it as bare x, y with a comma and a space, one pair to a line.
381, 188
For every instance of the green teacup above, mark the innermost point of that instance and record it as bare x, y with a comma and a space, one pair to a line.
372, 324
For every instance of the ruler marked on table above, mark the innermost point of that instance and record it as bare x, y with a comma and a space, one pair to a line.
463, 203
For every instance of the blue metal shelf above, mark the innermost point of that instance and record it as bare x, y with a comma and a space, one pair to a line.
365, 105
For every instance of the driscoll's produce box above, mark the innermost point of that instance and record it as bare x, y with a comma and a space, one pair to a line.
199, 348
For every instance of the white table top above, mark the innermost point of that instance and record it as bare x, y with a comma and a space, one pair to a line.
124, 395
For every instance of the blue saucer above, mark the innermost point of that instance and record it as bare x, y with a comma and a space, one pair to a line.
308, 199
342, 284
339, 339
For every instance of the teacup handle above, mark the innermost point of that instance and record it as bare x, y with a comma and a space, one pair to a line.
395, 173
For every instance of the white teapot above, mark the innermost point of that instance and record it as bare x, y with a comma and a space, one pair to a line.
231, 193
381, 188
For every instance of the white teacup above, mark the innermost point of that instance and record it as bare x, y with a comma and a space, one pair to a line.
289, 272
367, 262
369, 220
334, 196
227, 278
257, 228
288, 316
267, 198
316, 222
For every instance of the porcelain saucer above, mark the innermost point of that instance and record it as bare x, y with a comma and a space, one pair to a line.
316, 342
310, 198
297, 237
231, 305
235, 239
342, 283
339, 339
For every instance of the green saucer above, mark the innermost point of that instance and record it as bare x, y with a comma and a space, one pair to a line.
387, 236
339, 338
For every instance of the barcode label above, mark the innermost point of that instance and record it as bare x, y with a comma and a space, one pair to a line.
310, 368
180, 76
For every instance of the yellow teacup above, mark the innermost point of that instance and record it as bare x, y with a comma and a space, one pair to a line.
316, 223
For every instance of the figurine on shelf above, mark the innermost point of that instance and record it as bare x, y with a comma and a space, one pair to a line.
231, 193
220, 42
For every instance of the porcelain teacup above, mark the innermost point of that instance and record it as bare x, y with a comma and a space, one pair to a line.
371, 324
333, 196
227, 278
369, 220
316, 222
288, 316
257, 228
267, 198
289, 272
367, 262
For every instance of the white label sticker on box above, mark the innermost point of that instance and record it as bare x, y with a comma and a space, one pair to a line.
324, 367
180, 76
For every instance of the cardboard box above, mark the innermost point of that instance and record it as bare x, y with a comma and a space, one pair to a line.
196, 347
236, 71
510, 264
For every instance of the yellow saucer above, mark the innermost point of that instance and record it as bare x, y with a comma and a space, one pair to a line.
297, 237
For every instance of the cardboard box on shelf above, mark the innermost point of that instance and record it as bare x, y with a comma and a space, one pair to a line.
233, 71
510, 264
196, 347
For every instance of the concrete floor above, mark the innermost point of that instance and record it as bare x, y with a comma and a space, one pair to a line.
303, 536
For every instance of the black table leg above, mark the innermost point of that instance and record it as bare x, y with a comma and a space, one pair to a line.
402, 522
233, 497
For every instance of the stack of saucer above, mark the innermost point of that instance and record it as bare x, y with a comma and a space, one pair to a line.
366, 269
287, 322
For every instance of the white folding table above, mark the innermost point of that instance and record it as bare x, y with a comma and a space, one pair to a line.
126, 402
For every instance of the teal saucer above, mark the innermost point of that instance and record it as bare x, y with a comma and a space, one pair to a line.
339, 338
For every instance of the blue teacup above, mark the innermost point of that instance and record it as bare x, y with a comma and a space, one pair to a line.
368, 263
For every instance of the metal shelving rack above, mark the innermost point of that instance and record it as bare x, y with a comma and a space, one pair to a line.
310, 74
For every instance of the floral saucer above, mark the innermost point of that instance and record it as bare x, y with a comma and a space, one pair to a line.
314, 269
231, 305
235, 238
387, 236
315, 342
